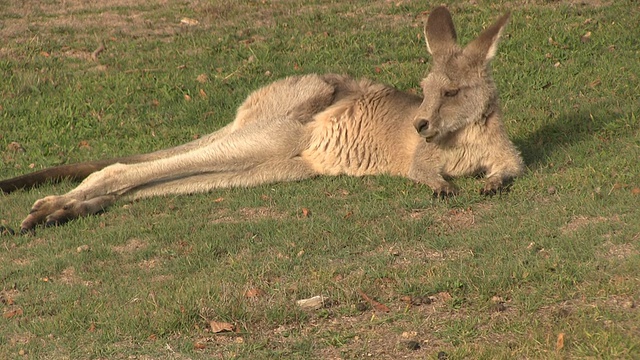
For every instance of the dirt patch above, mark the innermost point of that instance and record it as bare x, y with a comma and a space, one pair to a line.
558, 3
22, 262
7, 297
23, 338
132, 245
618, 251
451, 221
28, 20
162, 278
69, 276
373, 334
581, 221
420, 256
149, 263
457, 219
247, 215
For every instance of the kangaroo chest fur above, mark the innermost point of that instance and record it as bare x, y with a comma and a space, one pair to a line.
367, 130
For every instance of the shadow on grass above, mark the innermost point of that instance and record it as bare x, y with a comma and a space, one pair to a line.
565, 131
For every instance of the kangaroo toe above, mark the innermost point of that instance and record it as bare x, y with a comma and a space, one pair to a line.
445, 191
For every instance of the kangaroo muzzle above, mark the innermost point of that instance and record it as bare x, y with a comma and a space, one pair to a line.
424, 128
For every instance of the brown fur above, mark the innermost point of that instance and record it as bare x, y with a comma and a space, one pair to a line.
305, 126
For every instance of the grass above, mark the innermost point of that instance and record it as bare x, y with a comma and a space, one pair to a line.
548, 271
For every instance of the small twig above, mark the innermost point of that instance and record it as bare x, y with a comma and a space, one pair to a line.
141, 70
96, 52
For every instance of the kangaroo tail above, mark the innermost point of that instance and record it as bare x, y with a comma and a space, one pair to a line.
72, 172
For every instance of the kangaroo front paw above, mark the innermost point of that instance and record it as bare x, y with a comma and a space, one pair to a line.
445, 190
6, 231
494, 186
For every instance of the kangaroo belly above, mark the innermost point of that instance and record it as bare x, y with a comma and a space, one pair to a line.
340, 145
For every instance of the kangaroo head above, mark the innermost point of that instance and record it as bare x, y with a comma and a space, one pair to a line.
459, 89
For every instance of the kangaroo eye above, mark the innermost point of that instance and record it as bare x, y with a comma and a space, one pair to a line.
451, 93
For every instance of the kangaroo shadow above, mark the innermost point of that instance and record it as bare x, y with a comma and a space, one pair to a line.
562, 131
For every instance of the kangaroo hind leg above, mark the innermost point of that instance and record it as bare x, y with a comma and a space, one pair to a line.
248, 156
294, 169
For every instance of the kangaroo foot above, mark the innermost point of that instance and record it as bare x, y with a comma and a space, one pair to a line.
57, 210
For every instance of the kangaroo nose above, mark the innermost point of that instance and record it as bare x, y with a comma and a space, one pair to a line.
422, 125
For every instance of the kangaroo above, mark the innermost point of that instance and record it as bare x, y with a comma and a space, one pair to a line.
305, 126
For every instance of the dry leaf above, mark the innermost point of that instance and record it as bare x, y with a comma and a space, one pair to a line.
220, 199
313, 303
376, 305
218, 327
560, 342
199, 345
187, 97
189, 22
586, 37
84, 144
202, 94
45, 54
254, 293
635, 191
305, 212
15, 146
92, 327
202, 78
11, 313
444, 296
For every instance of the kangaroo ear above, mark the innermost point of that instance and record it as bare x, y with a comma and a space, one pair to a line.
485, 46
439, 31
